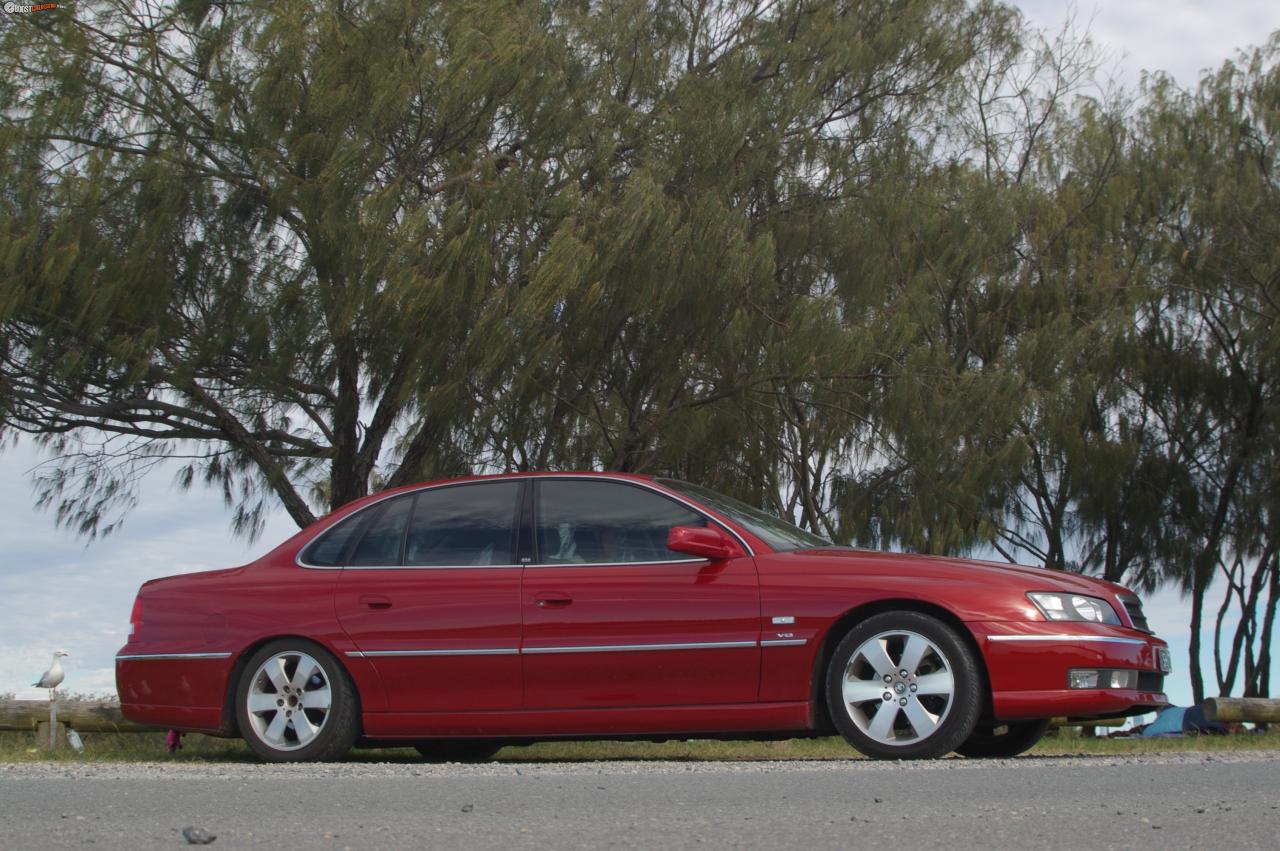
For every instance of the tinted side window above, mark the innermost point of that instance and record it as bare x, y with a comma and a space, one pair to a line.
601, 522
463, 525
385, 535
327, 550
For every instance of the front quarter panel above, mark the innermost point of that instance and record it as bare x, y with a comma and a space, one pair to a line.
1027, 657
818, 592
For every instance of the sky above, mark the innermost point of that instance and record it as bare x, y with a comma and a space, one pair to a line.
1180, 37
57, 592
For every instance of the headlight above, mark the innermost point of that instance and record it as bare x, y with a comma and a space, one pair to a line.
1074, 607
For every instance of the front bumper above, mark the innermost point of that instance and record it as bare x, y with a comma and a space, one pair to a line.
1027, 664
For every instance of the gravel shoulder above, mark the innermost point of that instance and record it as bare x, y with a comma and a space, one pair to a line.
249, 771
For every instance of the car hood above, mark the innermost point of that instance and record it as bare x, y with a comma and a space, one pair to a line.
1032, 578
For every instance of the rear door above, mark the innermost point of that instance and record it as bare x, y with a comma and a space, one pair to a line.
430, 594
614, 619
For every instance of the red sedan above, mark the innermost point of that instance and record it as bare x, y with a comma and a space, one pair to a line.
461, 615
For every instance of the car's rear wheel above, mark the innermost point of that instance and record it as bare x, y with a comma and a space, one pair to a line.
295, 703
1010, 738
904, 685
458, 750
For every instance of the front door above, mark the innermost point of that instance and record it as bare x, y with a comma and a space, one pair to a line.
430, 594
612, 618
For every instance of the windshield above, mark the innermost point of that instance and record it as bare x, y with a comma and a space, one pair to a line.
774, 531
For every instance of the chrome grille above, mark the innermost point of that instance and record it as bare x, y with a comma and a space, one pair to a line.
1133, 606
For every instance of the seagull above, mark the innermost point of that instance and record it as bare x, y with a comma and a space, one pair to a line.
52, 678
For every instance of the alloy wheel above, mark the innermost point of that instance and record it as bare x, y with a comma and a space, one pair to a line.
289, 700
898, 687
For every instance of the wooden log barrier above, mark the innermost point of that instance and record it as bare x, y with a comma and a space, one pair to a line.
1252, 709
90, 716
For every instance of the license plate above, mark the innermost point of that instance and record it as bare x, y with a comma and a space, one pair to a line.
1164, 659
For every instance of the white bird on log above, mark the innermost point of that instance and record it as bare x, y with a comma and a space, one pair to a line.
52, 678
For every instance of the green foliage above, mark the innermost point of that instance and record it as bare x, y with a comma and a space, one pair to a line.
1205, 358
897, 269
314, 249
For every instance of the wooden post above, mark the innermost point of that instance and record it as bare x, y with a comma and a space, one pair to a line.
53, 720
49, 735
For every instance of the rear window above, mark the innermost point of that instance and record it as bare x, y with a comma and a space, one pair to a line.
328, 549
384, 536
466, 525
458, 525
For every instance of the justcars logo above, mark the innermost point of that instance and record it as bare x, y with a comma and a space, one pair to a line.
18, 8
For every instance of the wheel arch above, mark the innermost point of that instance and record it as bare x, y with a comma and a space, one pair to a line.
229, 725
820, 717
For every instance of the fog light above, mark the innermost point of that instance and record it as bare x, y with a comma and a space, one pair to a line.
1124, 679
1102, 678
1079, 678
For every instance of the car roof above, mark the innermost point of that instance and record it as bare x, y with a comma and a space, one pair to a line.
486, 477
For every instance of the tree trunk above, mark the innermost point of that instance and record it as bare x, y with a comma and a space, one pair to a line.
344, 483
1247, 629
1268, 622
1193, 648
1242, 637
1202, 571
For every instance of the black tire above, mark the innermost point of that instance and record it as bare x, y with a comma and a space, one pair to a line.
458, 750
329, 733
1002, 740
891, 727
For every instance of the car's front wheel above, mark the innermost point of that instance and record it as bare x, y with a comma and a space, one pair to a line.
295, 703
904, 685
1001, 740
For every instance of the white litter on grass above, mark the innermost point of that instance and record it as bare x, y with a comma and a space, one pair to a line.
73, 739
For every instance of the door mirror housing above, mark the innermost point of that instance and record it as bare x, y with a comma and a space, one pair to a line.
703, 542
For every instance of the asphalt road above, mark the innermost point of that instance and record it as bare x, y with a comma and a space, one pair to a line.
1221, 800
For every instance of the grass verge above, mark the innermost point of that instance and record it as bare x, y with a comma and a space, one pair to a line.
149, 747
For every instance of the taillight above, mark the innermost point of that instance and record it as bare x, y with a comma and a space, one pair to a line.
135, 617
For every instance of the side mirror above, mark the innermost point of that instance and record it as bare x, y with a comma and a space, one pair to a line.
703, 542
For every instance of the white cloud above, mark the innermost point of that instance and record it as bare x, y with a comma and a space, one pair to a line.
58, 593
1180, 37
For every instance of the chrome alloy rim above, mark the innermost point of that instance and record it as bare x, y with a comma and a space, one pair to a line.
898, 687
289, 700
